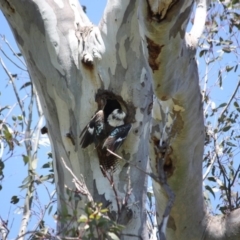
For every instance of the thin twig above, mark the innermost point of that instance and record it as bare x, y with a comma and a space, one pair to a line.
205, 85
32, 157
30, 188
4, 231
154, 177
209, 167
225, 178
235, 175
109, 176
44, 236
14, 53
229, 102
14, 89
38, 127
11, 109
12, 60
44, 212
79, 183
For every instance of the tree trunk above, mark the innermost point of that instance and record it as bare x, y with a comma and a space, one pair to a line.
139, 47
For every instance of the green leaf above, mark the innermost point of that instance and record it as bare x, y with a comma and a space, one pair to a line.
113, 236
26, 185
2, 165
25, 85
64, 211
83, 219
7, 133
50, 210
236, 67
201, 53
230, 144
228, 68
46, 165
226, 49
220, 78
20, 117
222, 105
104, 210
236, 104
46, 177
25, 159
226, 42
225, 129
26, 179
212, 179
210, 190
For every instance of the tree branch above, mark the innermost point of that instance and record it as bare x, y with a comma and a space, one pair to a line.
176, 85
229, 102
199, 21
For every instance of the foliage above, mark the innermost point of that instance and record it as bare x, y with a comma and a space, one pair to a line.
20, 139
219, 51
97, 225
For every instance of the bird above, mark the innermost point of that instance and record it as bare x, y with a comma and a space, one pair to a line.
94, 131
107, 130
116, 137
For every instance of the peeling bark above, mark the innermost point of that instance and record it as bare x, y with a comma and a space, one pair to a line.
139, 47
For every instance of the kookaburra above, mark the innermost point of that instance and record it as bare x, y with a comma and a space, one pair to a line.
107, 130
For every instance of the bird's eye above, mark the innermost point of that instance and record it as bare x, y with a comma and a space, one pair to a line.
114, 117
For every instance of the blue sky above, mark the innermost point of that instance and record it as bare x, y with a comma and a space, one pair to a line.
15, 171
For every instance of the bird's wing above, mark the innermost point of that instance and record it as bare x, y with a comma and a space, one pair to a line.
117, 137
88, 132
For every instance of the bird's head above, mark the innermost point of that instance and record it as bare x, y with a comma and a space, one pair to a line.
116, 118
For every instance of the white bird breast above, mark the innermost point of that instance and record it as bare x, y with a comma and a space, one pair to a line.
115, 122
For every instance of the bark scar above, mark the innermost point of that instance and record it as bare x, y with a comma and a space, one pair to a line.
158, 10
90, 44
164, 152
153, 52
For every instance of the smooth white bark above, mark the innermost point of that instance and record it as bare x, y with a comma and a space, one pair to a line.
199, 21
